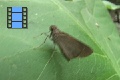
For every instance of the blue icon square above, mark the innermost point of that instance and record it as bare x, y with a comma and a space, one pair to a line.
16, 9
16, 24
16, 16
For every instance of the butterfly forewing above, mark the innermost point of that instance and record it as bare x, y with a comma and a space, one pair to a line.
71, 47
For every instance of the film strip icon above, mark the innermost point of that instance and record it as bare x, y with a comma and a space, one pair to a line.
17, 17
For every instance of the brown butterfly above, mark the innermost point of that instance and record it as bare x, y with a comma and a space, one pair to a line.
69, 46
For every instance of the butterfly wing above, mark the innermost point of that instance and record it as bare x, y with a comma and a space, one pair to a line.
71, 47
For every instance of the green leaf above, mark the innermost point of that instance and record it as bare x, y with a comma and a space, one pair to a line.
21, 58
111, 6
